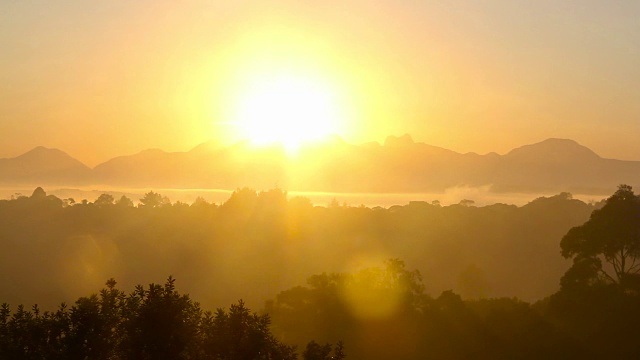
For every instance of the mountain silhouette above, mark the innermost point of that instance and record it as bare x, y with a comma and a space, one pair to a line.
562, 165
43, 165
139, 169
553, 150
398, 165
404, 140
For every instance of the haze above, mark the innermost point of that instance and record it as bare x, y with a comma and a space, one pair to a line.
112, 78
359, 179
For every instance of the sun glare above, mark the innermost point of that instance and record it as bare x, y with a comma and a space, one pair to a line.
287, 110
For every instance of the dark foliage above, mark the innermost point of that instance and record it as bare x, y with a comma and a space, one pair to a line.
152, 323
249, 243
379, 312
612, 236
417, 326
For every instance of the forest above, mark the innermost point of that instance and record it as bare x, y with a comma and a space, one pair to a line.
556, 278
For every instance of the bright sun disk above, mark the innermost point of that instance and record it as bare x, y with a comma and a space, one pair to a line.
287, 110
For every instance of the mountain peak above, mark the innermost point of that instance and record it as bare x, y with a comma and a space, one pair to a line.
207, 147
42, 164
44, 154
38, 150
403, 140
553, 149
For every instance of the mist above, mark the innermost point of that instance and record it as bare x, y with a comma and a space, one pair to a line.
481, 196
254, 244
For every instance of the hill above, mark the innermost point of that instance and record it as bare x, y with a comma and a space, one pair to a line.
43, 166
399, 165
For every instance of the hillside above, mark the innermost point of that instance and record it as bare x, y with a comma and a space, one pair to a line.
400, 165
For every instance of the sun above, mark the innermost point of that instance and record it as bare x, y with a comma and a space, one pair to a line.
287, 109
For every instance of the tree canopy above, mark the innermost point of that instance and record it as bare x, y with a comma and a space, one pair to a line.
156, 322
612, 235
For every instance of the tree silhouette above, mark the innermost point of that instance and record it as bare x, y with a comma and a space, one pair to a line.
153, 200
124, 202
377, 301
241, 334
315, 351
466, 202
151, 323
104, 200
38, 193
611, 234
241, 203
161, 323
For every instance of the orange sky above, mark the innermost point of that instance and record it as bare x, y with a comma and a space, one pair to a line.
101, 79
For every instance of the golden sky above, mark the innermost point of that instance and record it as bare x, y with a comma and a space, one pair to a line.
108, 78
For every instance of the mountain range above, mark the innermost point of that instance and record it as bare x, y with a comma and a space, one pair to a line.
399, 165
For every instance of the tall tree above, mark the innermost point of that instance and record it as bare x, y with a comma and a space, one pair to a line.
611, 234
153, 200
104, 200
